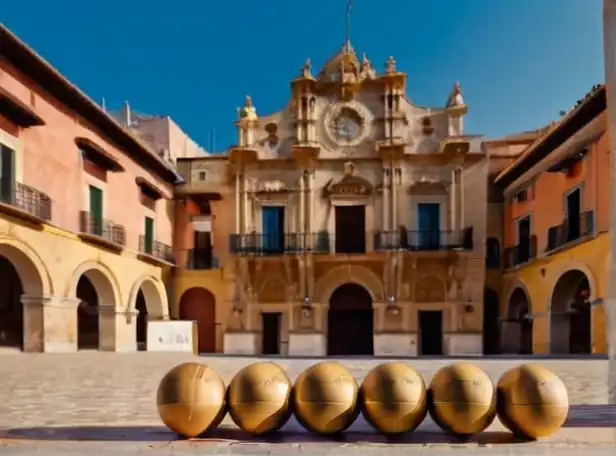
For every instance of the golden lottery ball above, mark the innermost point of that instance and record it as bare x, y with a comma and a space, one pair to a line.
325, 398
462, 399
259, 398
532, 402
191, 399
393, 398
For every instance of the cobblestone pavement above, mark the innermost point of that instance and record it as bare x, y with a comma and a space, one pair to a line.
105, 402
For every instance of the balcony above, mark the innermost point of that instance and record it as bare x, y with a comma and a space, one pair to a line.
423, 240
200, 259
156, 250
28, 202
525, 251
101, 231
294, 243
570, 230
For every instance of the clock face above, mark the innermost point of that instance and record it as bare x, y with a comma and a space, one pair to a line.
346, 126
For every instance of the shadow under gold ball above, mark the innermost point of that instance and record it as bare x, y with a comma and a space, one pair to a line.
462, 399
259, 398
191, 399
393, 398
532, 401
325, 398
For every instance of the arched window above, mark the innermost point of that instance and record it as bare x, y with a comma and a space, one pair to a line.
493, 253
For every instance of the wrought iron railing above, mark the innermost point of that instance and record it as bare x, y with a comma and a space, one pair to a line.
106, 229
201, 258
29, 200
424, 240
521, 253
571, 229
156, 249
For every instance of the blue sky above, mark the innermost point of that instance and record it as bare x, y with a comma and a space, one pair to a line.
519, 61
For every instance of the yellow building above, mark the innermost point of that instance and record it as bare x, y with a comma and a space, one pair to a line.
350, 222
556, 222
84, 227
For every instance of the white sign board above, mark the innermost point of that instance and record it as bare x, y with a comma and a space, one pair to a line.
171, 336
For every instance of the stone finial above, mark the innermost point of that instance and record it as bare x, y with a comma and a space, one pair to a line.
455, 97
248, 111
307, 69
390, 65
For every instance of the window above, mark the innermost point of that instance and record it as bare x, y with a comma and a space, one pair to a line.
492, 253
7, 174
202, 175
96, 210
522, 196
149, 235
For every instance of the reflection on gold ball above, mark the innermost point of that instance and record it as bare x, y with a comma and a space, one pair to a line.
325, 398
461, 399
191, 399
259, 398
393, 398
532, 401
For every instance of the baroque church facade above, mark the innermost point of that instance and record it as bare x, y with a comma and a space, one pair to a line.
350, 222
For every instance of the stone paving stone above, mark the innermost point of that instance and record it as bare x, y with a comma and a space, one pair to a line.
110, 397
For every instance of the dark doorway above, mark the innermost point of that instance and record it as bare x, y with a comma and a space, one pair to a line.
350, 322
431, 332
574, 206
273, 230
198, 304
351, 229
571, 326
270, 339
491, 336
87, 315
142, 322
524, 235
11, 309
202, 255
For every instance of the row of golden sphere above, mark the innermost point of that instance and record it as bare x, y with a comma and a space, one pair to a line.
529, 400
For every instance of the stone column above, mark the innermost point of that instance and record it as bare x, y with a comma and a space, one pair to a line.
237, 204
453, 215
117, 329
394, 198
302, 205
311, 197
386, 191
50, 324
460, 209
245, 208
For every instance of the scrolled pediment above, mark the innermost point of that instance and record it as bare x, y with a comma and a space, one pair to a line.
428, 187
354, 186
272, 187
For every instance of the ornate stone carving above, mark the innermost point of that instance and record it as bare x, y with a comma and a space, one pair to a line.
349, 185
428, 187
430, 289
455, 98
273, 291
248, 111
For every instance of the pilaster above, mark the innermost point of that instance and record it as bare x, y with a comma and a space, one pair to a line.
50, 324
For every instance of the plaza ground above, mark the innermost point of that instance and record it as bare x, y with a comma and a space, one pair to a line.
105, 402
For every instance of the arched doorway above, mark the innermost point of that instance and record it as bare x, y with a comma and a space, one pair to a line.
517, 329
350, 322
199, 304
19, 275
570, 315
491, 338
94, 290
142, 322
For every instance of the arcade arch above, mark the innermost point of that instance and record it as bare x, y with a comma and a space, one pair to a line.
517, 328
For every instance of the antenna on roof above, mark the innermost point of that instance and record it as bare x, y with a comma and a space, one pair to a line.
347, 41
104, 105
213, 141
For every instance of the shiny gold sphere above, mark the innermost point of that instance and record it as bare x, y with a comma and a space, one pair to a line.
532, 401
325, 398
191, 399
259, 398
393, 398
462, 399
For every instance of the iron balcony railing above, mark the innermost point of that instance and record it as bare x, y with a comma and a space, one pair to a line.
521, 253
29, 200
424, 240
105, 229
571, 229
156, 249
201, 258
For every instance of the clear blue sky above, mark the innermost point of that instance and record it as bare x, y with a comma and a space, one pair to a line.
519, 61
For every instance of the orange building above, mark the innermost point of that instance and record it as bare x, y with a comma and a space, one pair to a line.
555, 236
85, 216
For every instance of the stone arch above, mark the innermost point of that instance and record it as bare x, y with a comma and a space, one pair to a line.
22, 273
155, 295
350, 321
517, 327
96, 289
429, 288
570, 313
199, 304
341, 275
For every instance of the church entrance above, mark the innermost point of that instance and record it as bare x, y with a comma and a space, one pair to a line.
351, 229
350, 322
270, 326
431, 332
